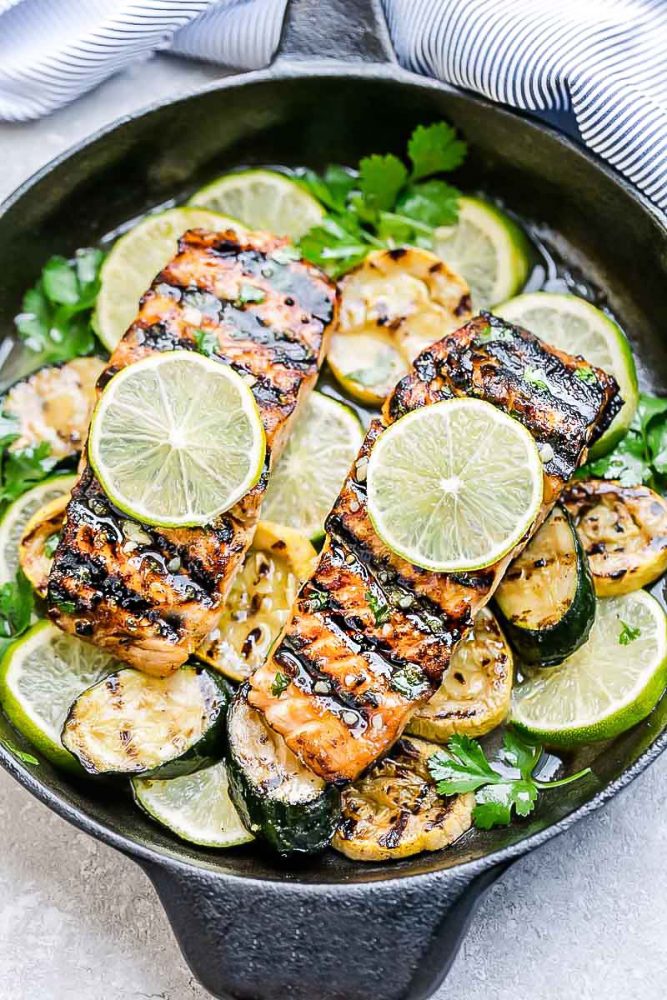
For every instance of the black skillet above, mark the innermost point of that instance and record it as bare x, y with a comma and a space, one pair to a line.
249, 926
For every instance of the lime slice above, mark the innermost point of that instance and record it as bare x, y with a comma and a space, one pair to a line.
612, 682
488, 249
311, 470
176, 439
262, 199
196, 807
17, 515
41, 674
571, 324
367, 365
454, 486
136, 258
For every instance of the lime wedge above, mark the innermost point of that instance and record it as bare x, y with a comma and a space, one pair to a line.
454, 486
136, 258
41, 674
571, 324
488, 249
366, 364
311, 470
612, 682
19, 513
262, 199
196, 807
176, 439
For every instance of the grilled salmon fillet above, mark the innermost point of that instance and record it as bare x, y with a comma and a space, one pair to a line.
150, 595
371, 634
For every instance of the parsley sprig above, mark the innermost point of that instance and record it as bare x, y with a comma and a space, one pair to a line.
55, 320
384, 203
16, 606
464, 767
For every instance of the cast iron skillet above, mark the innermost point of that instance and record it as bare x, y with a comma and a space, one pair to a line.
331, 929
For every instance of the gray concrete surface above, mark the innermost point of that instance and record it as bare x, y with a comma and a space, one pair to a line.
583, 918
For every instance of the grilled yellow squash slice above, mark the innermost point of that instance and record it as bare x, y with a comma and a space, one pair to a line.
475, 694
39, 540
260, 600
395, 811
624, 533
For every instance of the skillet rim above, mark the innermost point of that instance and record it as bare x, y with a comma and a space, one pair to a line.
284, 70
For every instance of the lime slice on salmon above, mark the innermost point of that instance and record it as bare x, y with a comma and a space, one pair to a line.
454, 486
176, 439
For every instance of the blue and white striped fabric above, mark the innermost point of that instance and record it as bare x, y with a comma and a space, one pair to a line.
604, 62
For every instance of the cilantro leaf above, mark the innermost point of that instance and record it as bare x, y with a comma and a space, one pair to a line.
628, 634
433, 203
463, 767
24, 468
435, 149
55, 321
9, 429
335, 245
379, 609
641, 456
16, 606
206, 341
318, 600
537, 378
280, 683
333, 187
380, 180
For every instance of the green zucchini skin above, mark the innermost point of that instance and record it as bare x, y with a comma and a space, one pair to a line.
568, 628
126, 696
295, 825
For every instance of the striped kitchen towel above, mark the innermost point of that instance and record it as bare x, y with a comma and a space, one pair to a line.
602, 62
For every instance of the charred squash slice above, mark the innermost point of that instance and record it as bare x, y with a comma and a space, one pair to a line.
39, 540
133, 723
546, 601
276, 796
624, 533
395, 811
475, 694
54, 405
260, 600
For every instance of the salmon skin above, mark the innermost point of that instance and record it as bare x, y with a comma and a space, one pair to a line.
371, 635
150, 595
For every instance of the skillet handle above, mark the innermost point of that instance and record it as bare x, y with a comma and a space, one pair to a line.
248, 939
341, 30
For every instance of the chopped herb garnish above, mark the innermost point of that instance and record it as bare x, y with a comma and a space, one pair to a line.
67, 607
280, 683
283, 255
463, 767
409, 681
55, 321
379, 609
206, 341
250, 293
51, 544
317, 599
27, 758
586, 375
376, 375
537, 378
16, 606
628, 634
384, 202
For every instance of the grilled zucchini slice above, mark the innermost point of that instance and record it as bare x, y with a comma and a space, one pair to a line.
395, 811
133, 723
624, 533
54, 405
39, 540
476, 691
546, 601
276, 796
259, 602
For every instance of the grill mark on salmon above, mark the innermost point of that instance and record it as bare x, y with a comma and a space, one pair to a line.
150, 595
369, 701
